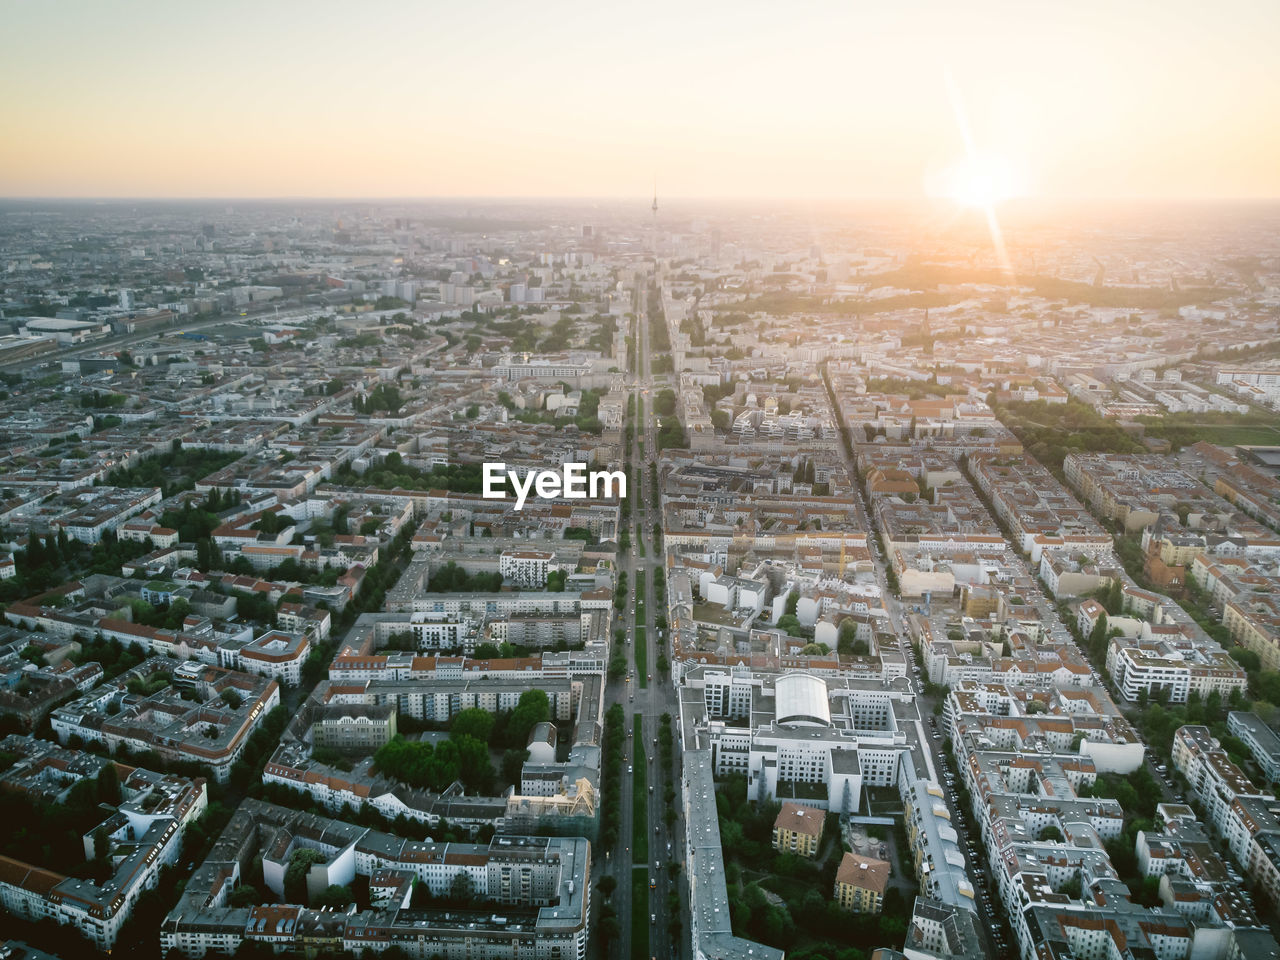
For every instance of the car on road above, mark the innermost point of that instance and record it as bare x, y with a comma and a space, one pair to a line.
629, 770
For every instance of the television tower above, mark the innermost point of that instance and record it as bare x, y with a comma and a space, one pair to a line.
653, 232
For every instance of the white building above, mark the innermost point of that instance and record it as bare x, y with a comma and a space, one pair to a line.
525, 568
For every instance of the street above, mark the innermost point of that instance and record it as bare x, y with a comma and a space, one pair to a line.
650, 695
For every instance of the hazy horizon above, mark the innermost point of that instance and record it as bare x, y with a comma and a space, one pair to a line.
1149, 101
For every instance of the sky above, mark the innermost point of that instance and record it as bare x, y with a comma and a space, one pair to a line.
1144, 99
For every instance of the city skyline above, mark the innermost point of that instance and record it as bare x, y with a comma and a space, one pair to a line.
1147, 102
960, 520
717, 480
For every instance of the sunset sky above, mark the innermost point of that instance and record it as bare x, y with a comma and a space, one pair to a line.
1143, 99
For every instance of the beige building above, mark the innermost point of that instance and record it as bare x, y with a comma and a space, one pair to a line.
1254, 622
860, 883
798, 830
359, 728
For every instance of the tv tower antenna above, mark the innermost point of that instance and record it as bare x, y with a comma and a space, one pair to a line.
653, 224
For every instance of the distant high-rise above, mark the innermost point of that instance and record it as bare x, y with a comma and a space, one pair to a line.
126, 299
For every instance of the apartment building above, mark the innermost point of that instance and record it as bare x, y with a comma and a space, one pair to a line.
1171, 671
357, 717
525, 568
143, 835
1027, 763
1032, 504
1245, 817
211, 728
860, 883
275, 654
1262, 741
798, 829
354, 728
1254, 622
532, 894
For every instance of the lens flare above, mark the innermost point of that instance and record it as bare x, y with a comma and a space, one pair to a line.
982, 180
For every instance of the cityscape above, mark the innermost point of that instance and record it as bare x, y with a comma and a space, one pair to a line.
494, 560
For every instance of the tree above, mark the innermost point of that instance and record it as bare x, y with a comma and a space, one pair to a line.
333, 896
1097, 642
101, 844
532, 709
1248, 659
1213, 706
892, 928
108, 783
847, 637
244, 896
461, 890
1051, 834
1267, 683
607, 928
1114, 602
512, 765
789, 623
295, 874
472, 722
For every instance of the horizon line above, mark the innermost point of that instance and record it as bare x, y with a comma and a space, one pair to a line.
674, 198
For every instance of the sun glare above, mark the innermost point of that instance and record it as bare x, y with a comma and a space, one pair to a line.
982, 181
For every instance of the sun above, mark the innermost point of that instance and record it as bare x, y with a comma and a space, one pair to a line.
982, 180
